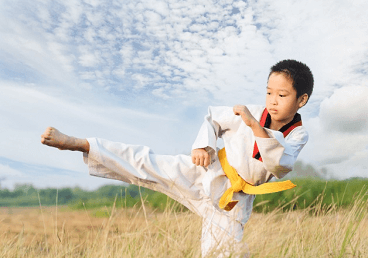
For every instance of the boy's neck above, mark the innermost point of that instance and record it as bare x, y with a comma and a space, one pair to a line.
275, 125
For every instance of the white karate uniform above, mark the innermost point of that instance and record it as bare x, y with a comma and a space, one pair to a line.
199, 188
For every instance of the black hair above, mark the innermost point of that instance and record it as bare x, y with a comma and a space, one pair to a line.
299, 73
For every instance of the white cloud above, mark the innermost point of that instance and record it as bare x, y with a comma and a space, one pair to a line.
346, 111
6, 171
88, 60
339, 135
329, 36
107, 69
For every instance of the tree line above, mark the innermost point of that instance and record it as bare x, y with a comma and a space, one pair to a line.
309, 192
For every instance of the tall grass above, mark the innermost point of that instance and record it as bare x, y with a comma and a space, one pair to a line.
319, 230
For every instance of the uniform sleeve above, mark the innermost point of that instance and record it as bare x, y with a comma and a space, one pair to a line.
217, 121
278, 153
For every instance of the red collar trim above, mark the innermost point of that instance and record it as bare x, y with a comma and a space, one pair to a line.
265, 121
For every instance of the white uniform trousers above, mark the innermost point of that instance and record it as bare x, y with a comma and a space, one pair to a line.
175, 176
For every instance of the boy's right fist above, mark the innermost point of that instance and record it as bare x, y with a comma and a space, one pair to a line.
243, 111
200, 157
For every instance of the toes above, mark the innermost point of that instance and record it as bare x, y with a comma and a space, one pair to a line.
44, 140
45, 136
49, 130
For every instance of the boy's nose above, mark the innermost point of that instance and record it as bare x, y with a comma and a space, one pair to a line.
274, 101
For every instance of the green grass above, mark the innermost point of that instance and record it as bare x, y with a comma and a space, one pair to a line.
339, 194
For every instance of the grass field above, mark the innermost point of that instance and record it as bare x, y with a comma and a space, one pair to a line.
141, 232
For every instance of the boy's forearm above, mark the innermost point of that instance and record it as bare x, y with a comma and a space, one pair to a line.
249, 120
258, 130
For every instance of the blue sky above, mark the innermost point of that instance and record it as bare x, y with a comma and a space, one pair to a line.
144, 72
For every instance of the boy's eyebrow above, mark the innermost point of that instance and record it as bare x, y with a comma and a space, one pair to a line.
284, 90
268, 88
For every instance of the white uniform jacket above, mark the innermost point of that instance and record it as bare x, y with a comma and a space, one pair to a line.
278, 153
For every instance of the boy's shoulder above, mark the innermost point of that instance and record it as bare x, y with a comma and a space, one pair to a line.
299, 133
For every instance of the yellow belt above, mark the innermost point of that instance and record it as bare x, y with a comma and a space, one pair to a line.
239, 184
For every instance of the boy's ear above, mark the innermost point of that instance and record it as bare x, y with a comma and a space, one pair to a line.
303, 100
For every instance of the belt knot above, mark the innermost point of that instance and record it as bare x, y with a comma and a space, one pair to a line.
239, 184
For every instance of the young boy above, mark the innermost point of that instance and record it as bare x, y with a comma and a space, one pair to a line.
260, 143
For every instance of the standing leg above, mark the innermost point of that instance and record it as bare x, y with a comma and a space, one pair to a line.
221, 237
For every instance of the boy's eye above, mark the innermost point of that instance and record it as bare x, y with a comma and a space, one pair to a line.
268, 93
282, 96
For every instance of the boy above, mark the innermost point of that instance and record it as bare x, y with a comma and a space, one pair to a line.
260, 143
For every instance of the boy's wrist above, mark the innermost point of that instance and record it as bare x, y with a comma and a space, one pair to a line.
258, 130
255, 124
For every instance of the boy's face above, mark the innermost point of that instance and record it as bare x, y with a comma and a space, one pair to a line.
281, 101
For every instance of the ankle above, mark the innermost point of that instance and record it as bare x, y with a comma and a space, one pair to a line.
83, 145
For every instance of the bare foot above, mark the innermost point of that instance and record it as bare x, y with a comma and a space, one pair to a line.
54, 138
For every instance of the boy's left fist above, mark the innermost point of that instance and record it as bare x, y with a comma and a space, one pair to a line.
200, 157
241, 110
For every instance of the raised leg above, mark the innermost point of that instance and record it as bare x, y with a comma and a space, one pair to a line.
54, 138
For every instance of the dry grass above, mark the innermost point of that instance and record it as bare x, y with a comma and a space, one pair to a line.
59, 232
314, 232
